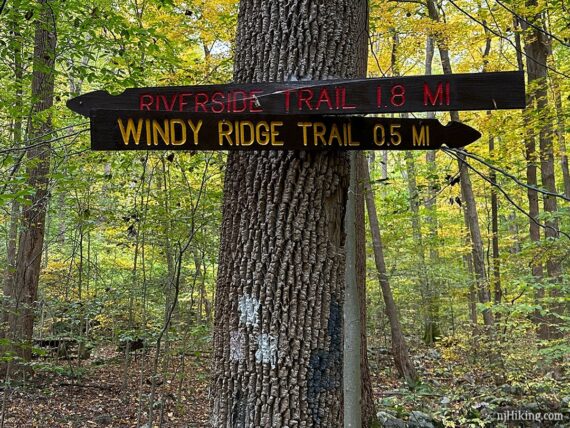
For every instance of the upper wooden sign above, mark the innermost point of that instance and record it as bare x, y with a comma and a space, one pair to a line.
477, 91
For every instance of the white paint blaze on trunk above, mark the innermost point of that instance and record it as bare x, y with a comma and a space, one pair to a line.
278, 331
266, 349
249, 310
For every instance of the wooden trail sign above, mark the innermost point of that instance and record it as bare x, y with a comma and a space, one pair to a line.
144, 130
476, 91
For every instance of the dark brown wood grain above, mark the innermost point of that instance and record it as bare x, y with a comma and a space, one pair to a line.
141, 130
476, 91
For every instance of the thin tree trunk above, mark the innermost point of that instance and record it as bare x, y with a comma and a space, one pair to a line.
467, 193
352, 378
30, 246
402, 359
432, 329
536, 48
17, 141
369, 419
561, 134
278, 329
532, 195
468, 262
496, 262
417, 235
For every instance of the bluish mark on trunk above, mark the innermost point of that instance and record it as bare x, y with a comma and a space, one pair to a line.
239, 411
325, 366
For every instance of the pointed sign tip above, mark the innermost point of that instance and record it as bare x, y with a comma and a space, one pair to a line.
82, 104
460, 134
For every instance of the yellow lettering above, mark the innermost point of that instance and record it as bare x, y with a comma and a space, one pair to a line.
173, 139
275, 133
350, 142
195, 129
262, 135
162, 131
225, 133
336, 134
395, 136
319, 130
148, 132
421, 139
126, 133
379, 140
242, 126
304, 125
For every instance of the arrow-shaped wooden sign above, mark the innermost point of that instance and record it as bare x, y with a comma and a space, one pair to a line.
476, 91
143, 130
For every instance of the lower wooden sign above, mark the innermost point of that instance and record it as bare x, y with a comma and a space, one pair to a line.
142, 130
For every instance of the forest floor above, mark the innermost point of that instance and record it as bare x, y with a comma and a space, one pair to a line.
93, 393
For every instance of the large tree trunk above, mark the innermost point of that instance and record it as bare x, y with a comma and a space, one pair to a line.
23, 294
278, 329
402, 359
468, 197
536, 48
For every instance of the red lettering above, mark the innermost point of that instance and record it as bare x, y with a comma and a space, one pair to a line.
346, 106
305, 96
254, 105
242, 99
200, 100
217, 105
287, 99
398, 97
181, 102
145, 101
324, 97
337, 97
433, 99
447, 93
165, 102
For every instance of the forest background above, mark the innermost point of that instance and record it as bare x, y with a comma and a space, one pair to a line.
128, 253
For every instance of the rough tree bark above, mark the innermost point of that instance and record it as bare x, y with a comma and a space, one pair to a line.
399, 347
23, 294
278, 329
